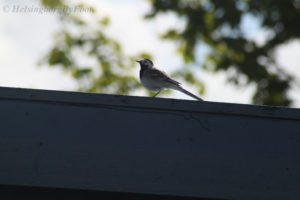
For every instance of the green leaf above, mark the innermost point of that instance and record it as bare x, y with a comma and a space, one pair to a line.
79, 73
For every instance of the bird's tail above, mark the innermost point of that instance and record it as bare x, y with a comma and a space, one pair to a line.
181, 89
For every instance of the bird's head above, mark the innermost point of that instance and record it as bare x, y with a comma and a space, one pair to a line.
145, 63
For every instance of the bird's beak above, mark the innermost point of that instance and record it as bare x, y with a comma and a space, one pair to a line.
138, 61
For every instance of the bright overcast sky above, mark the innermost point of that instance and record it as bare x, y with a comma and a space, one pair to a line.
26, 37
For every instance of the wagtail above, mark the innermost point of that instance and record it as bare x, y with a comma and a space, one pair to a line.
156, 80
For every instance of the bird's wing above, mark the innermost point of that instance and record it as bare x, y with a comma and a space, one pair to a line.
161, 75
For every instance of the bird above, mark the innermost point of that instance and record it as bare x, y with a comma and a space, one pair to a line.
156, 80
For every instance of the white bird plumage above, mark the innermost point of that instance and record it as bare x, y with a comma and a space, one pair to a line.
156, 80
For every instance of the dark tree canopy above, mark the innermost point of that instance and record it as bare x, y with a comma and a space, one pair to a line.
217, 23
214, 23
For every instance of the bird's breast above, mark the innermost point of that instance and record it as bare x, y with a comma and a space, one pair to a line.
150, 84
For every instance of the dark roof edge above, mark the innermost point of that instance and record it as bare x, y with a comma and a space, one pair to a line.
147, 103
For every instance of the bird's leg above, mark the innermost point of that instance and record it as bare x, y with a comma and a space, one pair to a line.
156, 93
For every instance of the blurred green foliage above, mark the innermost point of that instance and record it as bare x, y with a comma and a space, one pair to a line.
82, 39
216, 24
